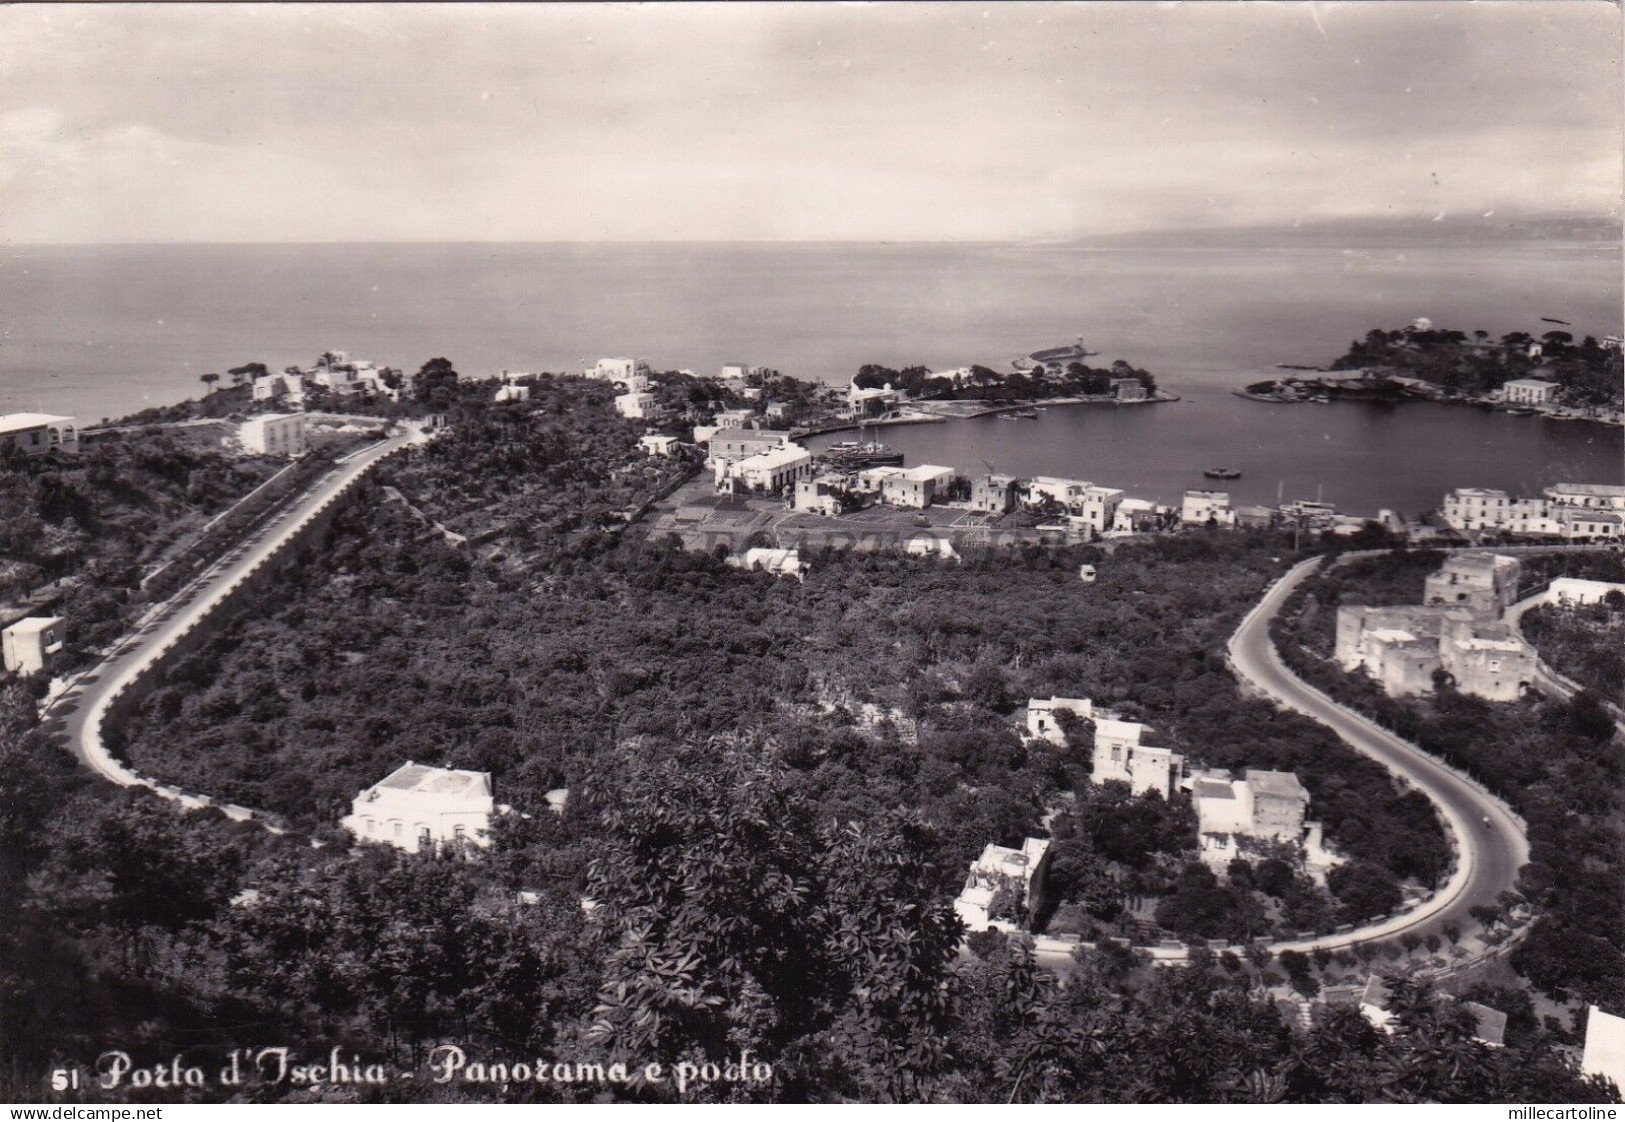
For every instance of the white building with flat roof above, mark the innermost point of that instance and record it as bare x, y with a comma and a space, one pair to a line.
769, 473
1200, 507
274, 434
34, 434
1042, 722
657, 444
27, 645
1005, 887
417, 806
1475, 508
1529, 391
917, 487
635, 406
1601, 496
1572, 592
618, 370
1265, 805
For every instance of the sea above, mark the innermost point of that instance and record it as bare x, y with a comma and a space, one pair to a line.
101, 332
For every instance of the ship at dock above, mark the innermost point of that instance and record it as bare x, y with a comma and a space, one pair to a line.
854, 454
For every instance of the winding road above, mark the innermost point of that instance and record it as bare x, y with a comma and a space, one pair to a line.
1488, 857
83, 707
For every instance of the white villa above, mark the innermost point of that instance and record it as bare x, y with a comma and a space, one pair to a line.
26, 645
34, 434
635, 406
619, 370
1263, 805
917, 487
1200, 507
771, 472
1021, 870
417, 806
1529, 391
274, 434
1041, 720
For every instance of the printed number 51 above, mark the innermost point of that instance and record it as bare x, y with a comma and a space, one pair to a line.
64, 1078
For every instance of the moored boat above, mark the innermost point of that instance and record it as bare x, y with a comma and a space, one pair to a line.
1222, 473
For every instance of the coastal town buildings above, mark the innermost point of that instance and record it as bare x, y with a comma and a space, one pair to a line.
274, 434
1458, 632
1600, 496
1121, 755
417, 807
511, 392
993, 494
768, 473
871, 402
1485, 583
727, 445
635, 406
1129, 389
1200, 507
828, 494
34, 434
1261, 806
1005, 887
619, 370
657, 444
1529, 391
1572, 592
1135, 516
1565, 510
917, 487
26, 646
288, 387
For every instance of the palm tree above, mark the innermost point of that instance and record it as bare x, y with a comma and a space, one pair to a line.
209, 380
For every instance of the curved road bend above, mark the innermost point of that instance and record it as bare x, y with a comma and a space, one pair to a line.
1488, 857
84, 706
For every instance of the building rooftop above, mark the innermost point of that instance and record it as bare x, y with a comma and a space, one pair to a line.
1608, 490
776, 457
1282, 784
1205, 788
760, 436
33, 625
925, 471
1479, 492
14, 422
1530, 383
437, 781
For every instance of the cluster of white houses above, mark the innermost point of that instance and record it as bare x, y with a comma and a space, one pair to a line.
1563, 510
1263, 810
335, 372
1457, 631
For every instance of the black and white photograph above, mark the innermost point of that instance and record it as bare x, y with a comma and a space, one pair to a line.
812, 553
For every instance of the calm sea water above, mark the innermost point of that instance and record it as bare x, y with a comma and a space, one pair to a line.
103, 331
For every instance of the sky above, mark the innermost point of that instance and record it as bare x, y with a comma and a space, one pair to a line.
894, 122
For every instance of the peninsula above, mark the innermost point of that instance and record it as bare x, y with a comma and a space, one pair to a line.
1551, 376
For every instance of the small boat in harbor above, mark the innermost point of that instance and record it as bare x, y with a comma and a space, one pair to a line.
1222, 473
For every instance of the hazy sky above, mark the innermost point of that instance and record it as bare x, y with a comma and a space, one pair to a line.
821, 121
